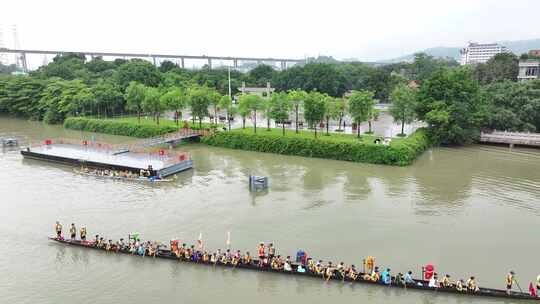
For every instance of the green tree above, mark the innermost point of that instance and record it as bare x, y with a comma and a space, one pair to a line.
513, 106
296, 97
451, 105
333, 110
403, 105
504, 66
226, 103
167, 65
199, 101
98, 65
314, 108
373, 115
8, 69
254, 103
108, 97
279, 108
153, 103
341, 110
135, 95
244, 112
215, 97
20, 95
261, 75
322, 77
176, 100
65, 97
137, 70
360, 106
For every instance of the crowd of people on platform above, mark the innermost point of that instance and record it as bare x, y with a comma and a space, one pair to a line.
268, 258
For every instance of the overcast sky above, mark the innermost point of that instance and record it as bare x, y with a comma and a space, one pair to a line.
367, 30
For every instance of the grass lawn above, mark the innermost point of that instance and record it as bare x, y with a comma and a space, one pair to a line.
162, 122
310, 134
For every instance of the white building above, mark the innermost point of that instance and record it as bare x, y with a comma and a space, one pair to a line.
528, 69
481, 53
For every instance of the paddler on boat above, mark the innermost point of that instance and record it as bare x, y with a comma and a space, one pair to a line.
375, 276
538, 284
532, 290
247, 259
58, 229
352, 273
510, 279
445, 282
120, 245
287, 266
73, 231
262, 254
340, 270
82, 233
472, 286
328, 271
460, 285
271, 251
109, 245
400, 280
318, 269
235, 258
369, 264
433, 282
386, 277
409, 278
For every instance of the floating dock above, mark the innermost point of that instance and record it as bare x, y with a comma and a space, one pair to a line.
103, 156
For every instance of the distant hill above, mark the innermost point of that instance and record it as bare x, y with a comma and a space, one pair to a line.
518, 47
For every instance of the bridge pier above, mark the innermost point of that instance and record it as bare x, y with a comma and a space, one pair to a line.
182, 62
209, 63
235, 64
24, 63
283, 65
154, 60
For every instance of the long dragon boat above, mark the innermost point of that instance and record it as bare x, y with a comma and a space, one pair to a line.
124, 178
419, 284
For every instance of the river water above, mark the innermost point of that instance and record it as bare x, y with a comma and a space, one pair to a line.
472, 210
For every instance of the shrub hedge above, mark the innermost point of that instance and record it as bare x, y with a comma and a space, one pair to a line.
401, 153
116, 127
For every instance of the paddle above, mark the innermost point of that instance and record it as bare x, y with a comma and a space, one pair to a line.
517, 283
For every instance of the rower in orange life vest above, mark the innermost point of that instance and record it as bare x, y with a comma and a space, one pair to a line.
261, 254
58, 228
